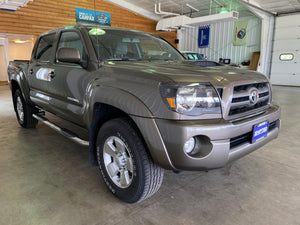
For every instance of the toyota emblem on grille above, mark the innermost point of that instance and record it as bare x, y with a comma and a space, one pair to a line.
253, 96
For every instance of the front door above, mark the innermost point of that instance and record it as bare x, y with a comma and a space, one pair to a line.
69, 81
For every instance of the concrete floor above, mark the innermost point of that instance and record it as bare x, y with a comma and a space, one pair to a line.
46, 179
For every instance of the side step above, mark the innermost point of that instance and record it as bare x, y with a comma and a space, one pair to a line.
67, 133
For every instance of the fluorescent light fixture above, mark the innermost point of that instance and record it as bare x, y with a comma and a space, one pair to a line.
223, 10
183, 21
192, 7
19, 42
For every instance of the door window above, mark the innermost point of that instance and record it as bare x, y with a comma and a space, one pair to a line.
286, 57
72, 40
45, 46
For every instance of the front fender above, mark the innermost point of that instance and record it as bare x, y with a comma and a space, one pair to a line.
139, 113
117, 98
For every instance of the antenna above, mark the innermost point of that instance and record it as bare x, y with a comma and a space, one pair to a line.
97, 48
95, 9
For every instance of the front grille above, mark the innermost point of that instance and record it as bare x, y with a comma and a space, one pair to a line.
246, 138
241, 98
240, 140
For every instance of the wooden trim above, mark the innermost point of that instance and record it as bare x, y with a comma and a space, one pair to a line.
3, 82
254, 63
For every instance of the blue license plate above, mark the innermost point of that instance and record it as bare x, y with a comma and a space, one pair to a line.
260, 130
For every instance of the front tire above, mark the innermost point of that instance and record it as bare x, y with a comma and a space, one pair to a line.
126, 167
23, 111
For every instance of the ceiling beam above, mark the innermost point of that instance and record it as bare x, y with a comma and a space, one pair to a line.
136, 9
255, 5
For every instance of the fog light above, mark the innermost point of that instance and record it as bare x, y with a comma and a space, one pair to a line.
189, 145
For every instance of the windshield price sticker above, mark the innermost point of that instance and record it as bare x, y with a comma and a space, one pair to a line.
260, 130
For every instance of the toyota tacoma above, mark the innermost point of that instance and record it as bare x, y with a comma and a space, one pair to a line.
144, 107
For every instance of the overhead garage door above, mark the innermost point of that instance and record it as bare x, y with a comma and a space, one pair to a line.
285, 68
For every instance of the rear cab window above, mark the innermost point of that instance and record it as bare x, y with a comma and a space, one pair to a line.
45, 47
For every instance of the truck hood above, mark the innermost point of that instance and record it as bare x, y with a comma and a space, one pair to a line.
188, 71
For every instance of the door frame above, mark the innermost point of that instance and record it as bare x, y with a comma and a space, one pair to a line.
4, 43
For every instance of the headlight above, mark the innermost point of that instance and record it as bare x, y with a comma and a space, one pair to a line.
191, 99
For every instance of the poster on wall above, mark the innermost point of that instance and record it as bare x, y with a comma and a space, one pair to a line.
203, 36
90, 16
240, 33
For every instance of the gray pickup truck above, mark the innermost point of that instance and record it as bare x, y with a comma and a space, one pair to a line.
144, 107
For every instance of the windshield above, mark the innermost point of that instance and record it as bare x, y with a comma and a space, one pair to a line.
126, 45
193, 56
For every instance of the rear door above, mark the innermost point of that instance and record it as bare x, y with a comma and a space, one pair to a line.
69, 80
40, 70
285, 68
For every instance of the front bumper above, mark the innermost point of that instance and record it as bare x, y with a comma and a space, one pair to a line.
228, 140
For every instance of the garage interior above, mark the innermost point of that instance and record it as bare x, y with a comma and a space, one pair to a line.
47, 179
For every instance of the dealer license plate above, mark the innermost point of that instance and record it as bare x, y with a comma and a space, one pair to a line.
260, 131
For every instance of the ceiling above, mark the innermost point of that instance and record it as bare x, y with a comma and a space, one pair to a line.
207, 7
280, 6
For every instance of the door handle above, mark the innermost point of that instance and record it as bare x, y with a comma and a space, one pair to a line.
52, 74
31, 71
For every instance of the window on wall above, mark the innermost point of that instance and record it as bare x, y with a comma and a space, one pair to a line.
45, 46
72, 40
286, 57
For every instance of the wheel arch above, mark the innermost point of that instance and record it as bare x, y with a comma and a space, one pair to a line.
18, 81
14, 86
116, 102
102, 113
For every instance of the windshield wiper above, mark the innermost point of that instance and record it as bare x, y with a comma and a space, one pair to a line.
158, 59
121, 59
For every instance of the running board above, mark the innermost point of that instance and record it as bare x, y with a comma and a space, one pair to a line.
67, 133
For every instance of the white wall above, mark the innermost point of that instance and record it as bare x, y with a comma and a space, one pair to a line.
221, 38
10, 51
20, 51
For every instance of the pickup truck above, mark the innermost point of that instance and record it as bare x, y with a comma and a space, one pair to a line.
144, 107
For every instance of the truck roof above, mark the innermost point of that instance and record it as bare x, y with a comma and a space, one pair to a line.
86, 25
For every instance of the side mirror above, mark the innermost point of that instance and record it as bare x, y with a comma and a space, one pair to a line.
68, 55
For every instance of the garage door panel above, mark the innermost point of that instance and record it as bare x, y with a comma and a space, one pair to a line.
288, 44
287, 33
276, 57
280, 79
295, 80
287, 41
286, 21
281, 68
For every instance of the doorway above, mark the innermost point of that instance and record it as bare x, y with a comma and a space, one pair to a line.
3, 66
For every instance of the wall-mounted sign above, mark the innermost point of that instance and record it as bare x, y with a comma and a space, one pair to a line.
240, 33
203, 36
90, 16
